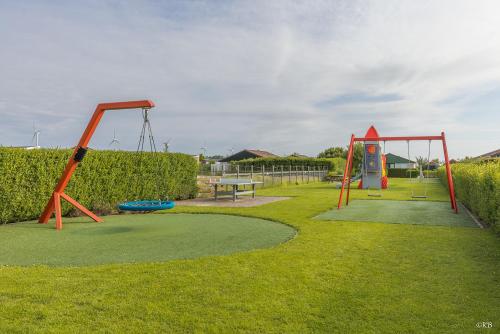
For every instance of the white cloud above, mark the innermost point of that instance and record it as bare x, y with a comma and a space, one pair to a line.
251, 74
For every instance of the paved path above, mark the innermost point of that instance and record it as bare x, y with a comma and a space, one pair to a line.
228, 202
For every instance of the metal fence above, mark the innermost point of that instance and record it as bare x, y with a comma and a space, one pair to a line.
270, 175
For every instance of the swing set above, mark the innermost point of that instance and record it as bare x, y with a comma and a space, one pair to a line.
54, 203
349, 164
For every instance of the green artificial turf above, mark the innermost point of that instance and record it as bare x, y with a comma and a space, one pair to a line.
400, 212
331, 278
136, 238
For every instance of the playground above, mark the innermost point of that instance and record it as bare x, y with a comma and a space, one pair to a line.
314, 257
348, 273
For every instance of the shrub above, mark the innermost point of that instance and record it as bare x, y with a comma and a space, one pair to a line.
403, 172
103, 179
333, 164
477, 185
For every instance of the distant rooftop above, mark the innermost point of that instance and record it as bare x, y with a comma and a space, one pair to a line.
396, 159
492, 154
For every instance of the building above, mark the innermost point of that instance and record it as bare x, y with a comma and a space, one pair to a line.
395, 161
248, 154
492, 154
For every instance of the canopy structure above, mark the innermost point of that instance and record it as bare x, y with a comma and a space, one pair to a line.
372, 135
54, 203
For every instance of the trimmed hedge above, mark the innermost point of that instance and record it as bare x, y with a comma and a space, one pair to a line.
333, 164
477, 185
103, 179
404, 172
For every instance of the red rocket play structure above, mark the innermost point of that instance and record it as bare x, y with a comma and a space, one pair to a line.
374, 168
374, 163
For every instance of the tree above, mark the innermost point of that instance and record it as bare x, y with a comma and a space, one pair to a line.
357, 157
340, 152
421, 161
333, 152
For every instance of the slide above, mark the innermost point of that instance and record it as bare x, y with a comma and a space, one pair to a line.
353, 179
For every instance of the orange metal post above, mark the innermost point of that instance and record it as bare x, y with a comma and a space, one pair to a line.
349, 178
54, 203
346, 170
451, 187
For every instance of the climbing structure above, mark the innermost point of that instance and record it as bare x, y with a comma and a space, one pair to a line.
374, 158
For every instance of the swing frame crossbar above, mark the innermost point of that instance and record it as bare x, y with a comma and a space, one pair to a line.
54, 203
349, 164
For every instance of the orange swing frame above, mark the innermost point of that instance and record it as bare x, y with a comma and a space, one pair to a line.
54, 203
349, 164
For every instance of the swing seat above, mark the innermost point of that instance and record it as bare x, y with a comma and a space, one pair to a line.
146, 205
419, 196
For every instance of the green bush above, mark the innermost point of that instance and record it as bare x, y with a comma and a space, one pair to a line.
477, 185
333, 164
401, 172
103, 179
404, 172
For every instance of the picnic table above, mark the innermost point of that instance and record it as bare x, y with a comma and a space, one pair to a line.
234, 184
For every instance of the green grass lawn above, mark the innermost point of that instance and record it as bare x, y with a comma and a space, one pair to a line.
136, 238
401, 212
333, 277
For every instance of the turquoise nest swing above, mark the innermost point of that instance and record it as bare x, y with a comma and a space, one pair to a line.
148, 205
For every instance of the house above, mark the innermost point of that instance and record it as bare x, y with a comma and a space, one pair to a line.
248, 154
492, 154
395, 161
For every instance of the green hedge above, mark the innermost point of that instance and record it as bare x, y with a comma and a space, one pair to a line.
103, 179
404, 172
477, 185
333, 164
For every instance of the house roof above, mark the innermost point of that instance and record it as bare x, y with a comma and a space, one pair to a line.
261, 154
248, 154
396, 159
495, 153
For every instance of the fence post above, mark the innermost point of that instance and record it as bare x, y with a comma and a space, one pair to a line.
289, 173
272, 174
296, 174
263, 175
237, 171
281, 175
302, 173
308, 173
251, 171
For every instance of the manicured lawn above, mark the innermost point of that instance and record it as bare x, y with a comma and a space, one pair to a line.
137, 238
333, 277
401, 212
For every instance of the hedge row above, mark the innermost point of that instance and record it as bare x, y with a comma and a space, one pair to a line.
404, 172
477, 185
103, 179
333, 164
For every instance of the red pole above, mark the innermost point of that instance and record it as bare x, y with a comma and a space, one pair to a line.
451, 187
346, 170
349, 178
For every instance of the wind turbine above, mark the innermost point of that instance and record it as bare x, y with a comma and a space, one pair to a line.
36, 137
204, 149
114, 141
231, 151
166, 145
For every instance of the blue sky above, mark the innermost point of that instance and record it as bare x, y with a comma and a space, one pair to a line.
278, 75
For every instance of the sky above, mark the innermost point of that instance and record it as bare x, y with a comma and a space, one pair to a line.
283, 76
